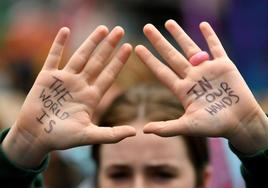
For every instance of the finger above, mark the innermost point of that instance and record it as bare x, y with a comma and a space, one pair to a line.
186, 43
57, 48
164, 128
213, 41
175, 59
98, 59
162, 72
185, 125
109, 74
101, 135
82, 54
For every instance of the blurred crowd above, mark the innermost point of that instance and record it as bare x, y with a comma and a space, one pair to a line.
28, 28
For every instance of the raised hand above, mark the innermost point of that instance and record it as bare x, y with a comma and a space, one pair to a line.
216, 99
58, 110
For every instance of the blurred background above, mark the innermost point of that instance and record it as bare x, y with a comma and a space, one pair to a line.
27, 29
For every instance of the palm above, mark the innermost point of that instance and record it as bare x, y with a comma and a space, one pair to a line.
215, 97
57, 112
69, 99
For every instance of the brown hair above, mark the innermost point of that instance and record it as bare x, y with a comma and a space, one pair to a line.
152, 102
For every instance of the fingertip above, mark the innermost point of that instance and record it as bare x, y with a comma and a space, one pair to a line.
205, 28
152, 127
127, 46
119, 30
128, 130
132, 131
125, 52
170, 23
63, 33
65, 30
147, 129
139, 48
148, 25
204, 24
142, 52
103, 29
147, 28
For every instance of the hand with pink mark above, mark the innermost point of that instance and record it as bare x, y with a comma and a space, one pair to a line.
216, 99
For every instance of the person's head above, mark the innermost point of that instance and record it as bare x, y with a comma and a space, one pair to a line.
147, 160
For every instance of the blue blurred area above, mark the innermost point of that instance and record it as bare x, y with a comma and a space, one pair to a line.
245, 32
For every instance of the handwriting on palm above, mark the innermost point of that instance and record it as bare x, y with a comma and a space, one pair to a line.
61, 102
212, 93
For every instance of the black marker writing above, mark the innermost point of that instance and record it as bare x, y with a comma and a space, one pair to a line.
219, 98
53, 100
200, 89
64, 97
57, 86
43, 116
50, 124
223, 97
52, 106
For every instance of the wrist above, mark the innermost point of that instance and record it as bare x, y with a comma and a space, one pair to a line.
252, 135
21, 150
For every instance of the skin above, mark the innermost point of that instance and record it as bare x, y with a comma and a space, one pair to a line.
161, 162
87, 78
243, 123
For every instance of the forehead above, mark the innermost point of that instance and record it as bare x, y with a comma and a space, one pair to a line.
144, 149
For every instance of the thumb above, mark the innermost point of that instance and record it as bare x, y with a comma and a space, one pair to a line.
101, 135
182, 126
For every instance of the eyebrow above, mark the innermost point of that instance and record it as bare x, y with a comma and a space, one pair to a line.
161, 167
151, 167
118, 167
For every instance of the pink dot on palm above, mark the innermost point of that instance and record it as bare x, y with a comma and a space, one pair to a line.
198, 58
